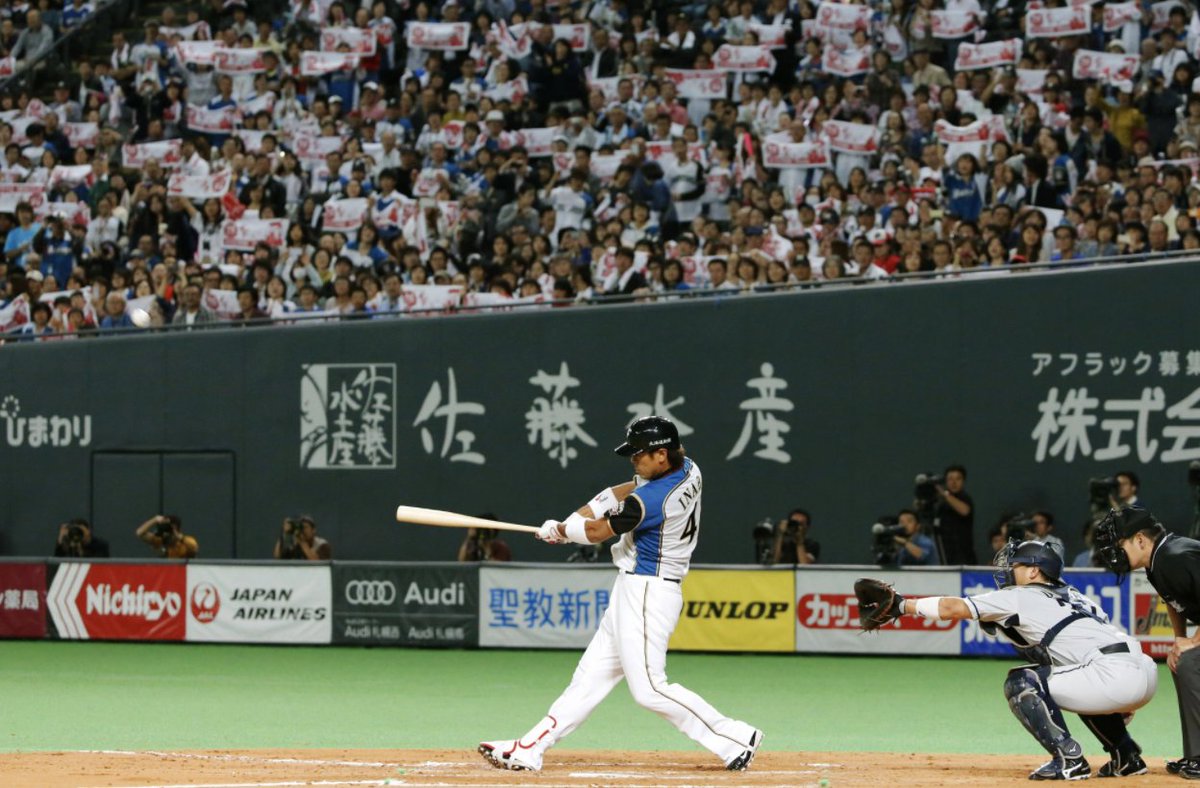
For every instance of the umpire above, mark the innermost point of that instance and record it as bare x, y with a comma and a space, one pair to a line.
1129, 539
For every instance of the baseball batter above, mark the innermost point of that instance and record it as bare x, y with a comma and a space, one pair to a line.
1082, 662
657, 516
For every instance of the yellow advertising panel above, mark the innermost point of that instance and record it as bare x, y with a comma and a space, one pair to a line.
737, 611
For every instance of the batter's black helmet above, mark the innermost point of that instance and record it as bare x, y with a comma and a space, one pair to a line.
647, 434
1030, 553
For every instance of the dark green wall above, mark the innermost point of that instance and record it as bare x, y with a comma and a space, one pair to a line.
886, 381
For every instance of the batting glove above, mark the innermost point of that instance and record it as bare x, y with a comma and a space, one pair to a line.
549, 533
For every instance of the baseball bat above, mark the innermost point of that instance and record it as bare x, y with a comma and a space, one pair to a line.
415, 514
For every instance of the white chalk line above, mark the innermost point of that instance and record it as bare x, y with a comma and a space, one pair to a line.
658, 776
279, 784
246, 758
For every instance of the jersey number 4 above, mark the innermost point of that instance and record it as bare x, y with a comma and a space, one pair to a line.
689, 531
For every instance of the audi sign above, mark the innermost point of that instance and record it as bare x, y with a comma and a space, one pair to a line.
405, 606
370, 592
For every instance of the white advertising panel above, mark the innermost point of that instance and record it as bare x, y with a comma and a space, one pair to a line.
534, 607
827, 614
259, 604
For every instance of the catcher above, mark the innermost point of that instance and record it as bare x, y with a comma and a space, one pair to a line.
1081, 662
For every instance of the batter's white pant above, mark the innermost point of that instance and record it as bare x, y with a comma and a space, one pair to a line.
1106, 684
632, 644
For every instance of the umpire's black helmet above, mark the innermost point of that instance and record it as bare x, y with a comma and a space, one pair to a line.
647, 434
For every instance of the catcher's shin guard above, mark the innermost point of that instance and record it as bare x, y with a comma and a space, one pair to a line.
1031, 703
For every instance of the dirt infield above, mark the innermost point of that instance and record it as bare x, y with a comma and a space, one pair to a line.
270, 768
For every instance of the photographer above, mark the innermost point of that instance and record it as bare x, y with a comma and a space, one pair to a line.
164, 533
915, 548
77, 540
792, 545
484, 544
1125, 491
1043, 530
299, 542
955, 517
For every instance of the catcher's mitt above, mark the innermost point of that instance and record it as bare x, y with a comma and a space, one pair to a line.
878, 603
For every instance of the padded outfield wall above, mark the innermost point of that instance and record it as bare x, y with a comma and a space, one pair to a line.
831, 400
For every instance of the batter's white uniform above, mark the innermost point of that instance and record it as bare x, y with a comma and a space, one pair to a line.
643, 609
1083, 678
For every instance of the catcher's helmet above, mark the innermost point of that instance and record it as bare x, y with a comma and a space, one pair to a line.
1029, 553
647, 434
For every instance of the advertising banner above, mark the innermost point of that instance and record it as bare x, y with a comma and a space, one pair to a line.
737, 610
22, 600
382, 605
827, 614
535, 607
258, 604
118, 601
1150, 621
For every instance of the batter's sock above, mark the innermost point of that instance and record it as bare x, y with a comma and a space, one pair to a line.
540, 734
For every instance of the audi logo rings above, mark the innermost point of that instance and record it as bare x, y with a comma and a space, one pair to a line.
370, 592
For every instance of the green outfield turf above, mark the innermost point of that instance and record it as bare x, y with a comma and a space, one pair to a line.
73, 696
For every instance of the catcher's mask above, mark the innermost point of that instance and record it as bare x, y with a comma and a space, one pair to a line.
1030, 553
1118, 525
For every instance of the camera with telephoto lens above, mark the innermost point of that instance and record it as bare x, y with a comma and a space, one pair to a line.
925, 491
73, 539
164, 529
1020, 526
1099, 492
764, 540
884, 549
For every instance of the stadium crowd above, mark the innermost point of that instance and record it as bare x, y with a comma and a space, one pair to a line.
373, 158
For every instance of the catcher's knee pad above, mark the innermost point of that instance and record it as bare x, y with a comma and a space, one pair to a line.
1031, 703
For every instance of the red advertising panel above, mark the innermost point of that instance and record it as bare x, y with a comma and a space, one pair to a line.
119, 601
22, 600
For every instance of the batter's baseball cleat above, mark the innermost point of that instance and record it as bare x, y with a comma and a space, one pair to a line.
509, 754
1123, 765
742, 762
1063, 769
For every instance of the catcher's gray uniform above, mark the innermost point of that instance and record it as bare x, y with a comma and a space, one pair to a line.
1095, 668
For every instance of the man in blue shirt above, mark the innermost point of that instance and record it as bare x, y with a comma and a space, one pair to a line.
916, 549
20, 238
